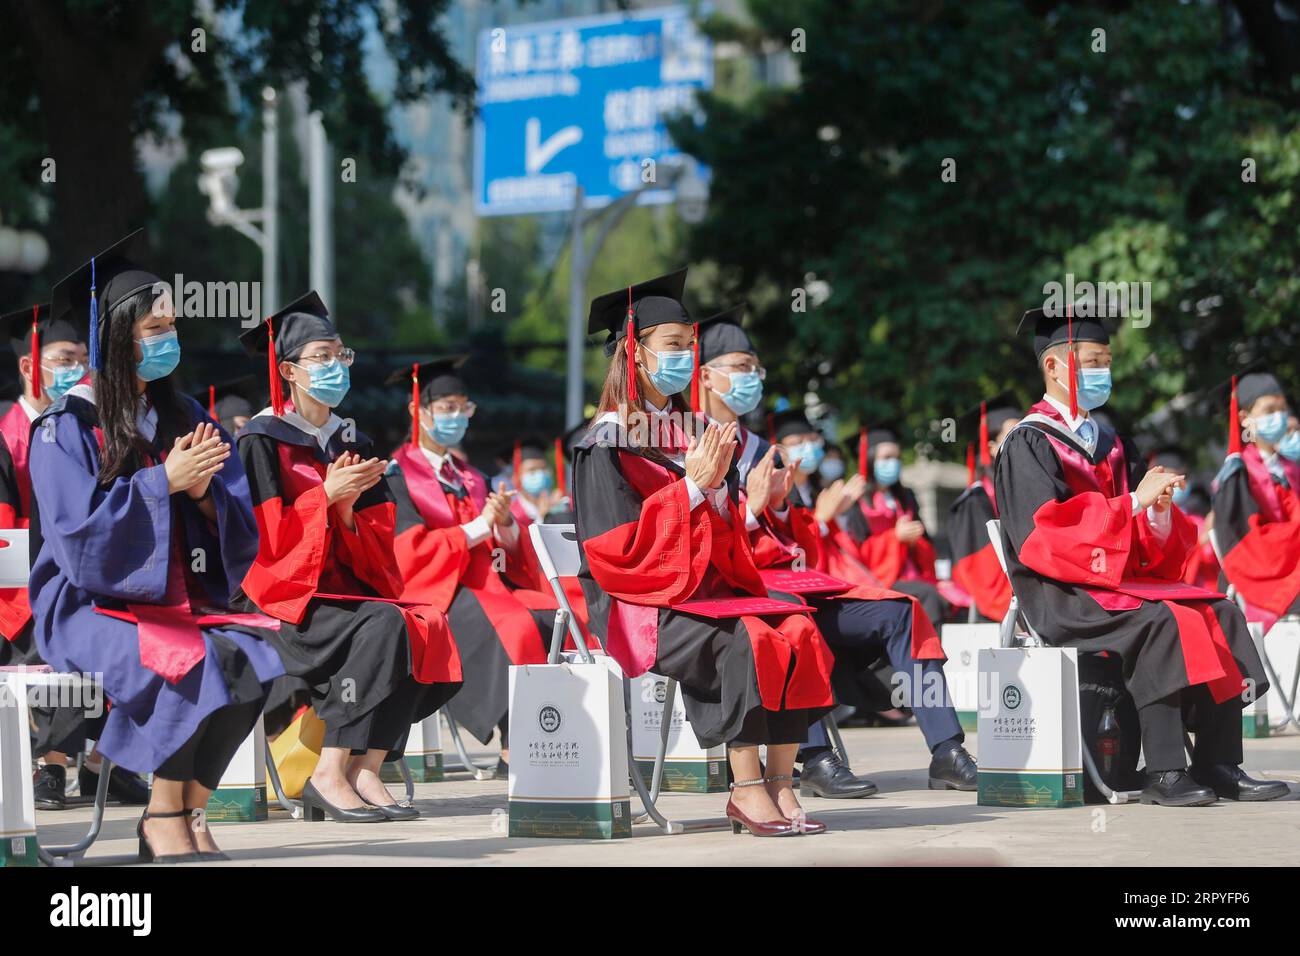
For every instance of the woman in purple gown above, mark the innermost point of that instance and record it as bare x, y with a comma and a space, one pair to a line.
141, 528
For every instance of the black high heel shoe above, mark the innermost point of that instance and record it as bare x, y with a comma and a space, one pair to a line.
147, 854
395, 811
315, 807
207, 856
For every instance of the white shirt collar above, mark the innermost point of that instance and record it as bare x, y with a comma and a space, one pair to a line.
437, 460
28, 407
323, 434
1072, 422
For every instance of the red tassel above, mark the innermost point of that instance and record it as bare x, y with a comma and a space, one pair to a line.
1074, 385
1234, 422
273, 371
415, 404
970, 463
38, 373
559, 468
631, 359
771, 428
985, 458
212, 403
862, 450
695, 373
517, 464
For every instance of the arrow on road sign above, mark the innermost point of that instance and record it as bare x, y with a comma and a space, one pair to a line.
537, 153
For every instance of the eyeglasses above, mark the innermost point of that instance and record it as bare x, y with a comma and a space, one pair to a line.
60, 361
743, 368
344, 355
452, 408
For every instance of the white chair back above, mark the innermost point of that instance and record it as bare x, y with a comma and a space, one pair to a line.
15, 564
557, 549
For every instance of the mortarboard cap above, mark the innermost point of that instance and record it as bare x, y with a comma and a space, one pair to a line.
1251, 388
723, 334
98, 286
639, 307
792, 421
282, 336
1050, 328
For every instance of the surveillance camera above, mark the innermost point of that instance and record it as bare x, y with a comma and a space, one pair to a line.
221, 161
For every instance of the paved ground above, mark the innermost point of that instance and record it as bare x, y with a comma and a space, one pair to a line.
463, 823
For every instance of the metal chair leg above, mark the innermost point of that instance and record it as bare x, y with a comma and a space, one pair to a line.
1112, 796
293, 806
832, 729
408, 780
58, 855
661, 754
480, 773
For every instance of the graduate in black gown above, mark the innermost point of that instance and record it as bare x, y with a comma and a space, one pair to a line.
325, 568
661, 529
1095, 550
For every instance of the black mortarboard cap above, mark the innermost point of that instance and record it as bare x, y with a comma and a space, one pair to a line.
654, 302
18, 327
1251, 388
1050, 328
98, 286
302, 321
792, 421
723, 334
437, 377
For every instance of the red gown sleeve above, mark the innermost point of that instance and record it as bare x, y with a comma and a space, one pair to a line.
1261, 558
432, 561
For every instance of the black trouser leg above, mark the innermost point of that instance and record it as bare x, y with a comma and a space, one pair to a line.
228, 728
1217, 728
1162, 734
778, 727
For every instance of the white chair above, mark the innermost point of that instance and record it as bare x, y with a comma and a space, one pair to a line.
561, 557
1288, 698
1028, 637
15, 568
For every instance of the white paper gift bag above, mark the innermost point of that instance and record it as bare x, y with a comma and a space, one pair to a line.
240, 797
1029, 745
688, 767
1283, 643
568, 752
422, 754
17, 811
962, 643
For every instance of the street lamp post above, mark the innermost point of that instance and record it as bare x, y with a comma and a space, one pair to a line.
219, 181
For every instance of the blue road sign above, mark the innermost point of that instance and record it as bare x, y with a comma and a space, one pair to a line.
582, 102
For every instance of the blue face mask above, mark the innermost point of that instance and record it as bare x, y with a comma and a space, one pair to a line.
448, 430
745, 393
64, 379
809, 455
159, 356
1181, 495
329, 383
1094, 387
832, 469
1289, 447
1271, 427
887, 471
673, 371
536, 482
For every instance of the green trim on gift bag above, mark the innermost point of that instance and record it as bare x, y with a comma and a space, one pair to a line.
571, 820
237, 805
1029, 789
19, 851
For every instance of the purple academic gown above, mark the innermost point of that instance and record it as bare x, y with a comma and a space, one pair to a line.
111, 547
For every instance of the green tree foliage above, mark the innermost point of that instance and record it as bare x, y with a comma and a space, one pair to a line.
1122, 165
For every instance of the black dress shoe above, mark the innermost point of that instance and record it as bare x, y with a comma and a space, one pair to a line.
1176, 788
315, 807
127, 788
50, 786
1231, 783
395, 811
825, 776
953, 768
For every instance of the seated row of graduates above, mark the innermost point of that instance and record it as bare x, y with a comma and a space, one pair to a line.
194, 579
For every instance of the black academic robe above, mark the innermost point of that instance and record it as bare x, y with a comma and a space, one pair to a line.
975, 565
344, 631
498, 619
1090, 574
1257, 528
645, 550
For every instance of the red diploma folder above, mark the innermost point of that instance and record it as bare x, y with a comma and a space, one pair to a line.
740, 607
802, 582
